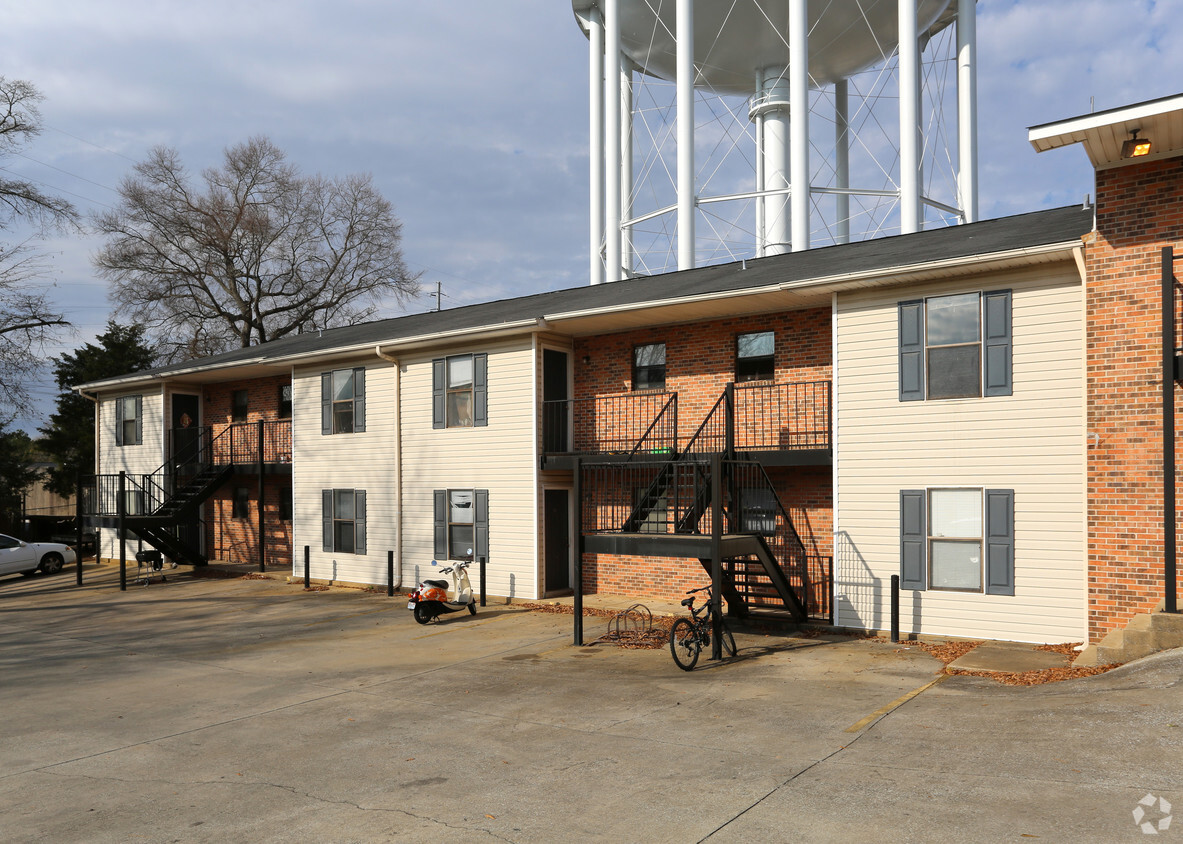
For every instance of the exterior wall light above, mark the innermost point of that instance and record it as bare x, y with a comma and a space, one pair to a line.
1135, 147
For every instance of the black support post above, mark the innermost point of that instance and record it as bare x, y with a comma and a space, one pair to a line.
262, 525
1170, 554
483, 565
307, 555
78, 531
895, 608
121, 512
717, 555
390, 574
577, 603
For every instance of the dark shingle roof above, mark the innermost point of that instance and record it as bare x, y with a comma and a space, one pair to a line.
1007, 234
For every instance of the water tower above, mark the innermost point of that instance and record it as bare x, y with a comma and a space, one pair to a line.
832, 102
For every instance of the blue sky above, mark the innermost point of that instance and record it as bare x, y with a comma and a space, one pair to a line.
471, 116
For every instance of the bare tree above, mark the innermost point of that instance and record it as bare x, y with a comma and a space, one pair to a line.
27, 318
250, 252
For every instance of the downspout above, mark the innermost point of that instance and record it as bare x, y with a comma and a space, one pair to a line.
398, 463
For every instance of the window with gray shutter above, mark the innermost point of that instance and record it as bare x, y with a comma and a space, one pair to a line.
1000, 542
913, 539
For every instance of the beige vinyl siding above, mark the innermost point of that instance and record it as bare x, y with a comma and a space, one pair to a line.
363, 461
140, 459
500, 457
1032, 442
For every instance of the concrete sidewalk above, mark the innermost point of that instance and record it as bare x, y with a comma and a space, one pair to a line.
218, 710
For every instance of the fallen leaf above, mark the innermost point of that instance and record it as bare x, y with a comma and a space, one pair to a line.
491, 817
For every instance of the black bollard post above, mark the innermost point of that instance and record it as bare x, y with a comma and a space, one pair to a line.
389, 574
895, 608
307, 553
482, 581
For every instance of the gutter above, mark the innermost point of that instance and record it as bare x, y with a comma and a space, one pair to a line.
477, 332
94, 399
834, 281
398, 464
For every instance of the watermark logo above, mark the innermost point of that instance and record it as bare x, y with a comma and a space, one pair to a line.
1146, 808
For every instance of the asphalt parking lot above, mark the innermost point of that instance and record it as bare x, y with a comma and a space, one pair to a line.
250, 710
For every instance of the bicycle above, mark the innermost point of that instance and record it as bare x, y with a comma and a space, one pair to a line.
689, 636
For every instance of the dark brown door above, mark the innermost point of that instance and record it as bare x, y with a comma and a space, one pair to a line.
558, 540
555, 407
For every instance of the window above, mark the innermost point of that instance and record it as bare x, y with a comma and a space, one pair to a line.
649, 367
958, 540
285, 503
956, 346
344, 519
755, 356
285, 401
343, 401
240, 506
238, 406
461, 524
129, 424
460, 391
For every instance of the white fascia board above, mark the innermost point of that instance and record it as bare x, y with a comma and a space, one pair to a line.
475, 333
887, 276
1074, 130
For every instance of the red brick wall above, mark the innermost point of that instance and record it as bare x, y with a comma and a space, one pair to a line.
700, 360
237, 540
1139, 211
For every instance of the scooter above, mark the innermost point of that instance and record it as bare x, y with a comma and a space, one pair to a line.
430, 598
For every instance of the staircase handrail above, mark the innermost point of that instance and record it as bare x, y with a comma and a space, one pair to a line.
721, 402
671, 407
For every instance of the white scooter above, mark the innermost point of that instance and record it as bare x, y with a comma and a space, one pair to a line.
430, 598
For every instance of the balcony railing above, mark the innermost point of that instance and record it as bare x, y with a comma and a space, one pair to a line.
615, 424
223, 445
761, 417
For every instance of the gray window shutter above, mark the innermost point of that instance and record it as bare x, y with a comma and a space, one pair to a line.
438, 385
911, 350
480, 390
441, 523
118, 421
359, 521
1000, 542
139, 420
913, 539
326, 403
996, 345
326, 504
359, 400
480, 532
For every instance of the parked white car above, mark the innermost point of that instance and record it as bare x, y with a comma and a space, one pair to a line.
28, 557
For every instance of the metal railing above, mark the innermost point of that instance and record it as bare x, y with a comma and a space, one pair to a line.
781, 417
614, 424
190, 451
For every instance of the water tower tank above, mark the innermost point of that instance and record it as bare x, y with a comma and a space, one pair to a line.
748, 48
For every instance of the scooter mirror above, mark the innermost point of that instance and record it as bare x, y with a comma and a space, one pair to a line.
434, 563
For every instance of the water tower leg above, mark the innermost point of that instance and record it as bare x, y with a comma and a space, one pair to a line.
612, 262
799, 108
967, 109
626, 164
685, 84
909, 81
775, 110
842, 158
595, 48
761, 182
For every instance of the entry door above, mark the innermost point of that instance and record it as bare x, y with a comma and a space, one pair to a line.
556, 408
186, 447
558, 540
186, 434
